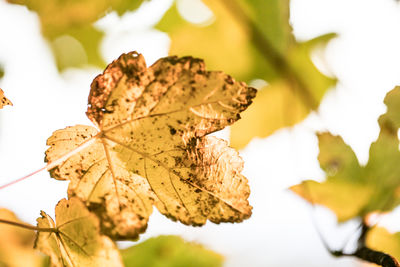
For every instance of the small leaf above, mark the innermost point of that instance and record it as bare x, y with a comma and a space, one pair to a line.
4, 101
376, 185
380, 239
77, 240
170, 251
16, 246
151, 146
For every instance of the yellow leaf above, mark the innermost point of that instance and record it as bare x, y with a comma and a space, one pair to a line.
68, 27
276, 106
16, 246
150, 146
76, 240
4, 101
380, 239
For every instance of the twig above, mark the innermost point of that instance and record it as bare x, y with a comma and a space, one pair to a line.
268, 51
28, 226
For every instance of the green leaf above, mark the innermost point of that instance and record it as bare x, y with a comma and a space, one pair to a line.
170, 251
376, 185
68, 27
254, 40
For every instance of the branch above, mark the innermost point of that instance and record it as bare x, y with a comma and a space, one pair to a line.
268, 51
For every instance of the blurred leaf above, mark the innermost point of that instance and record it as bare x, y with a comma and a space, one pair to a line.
16, 244
1, 72
376, 185
380, 239
4, 101
67, 25
170, 251
150, 147
253, 39
77, 240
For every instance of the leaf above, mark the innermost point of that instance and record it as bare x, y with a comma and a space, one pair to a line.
170, 251
380, 239
253, 40
71, 35
4, 100
150, 146
77, 240
16, 246
376, 185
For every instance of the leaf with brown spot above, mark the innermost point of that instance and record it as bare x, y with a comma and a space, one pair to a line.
16, 244
150, 146
4, 101
77, 240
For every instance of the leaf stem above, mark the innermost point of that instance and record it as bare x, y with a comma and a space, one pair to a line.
28, 226
52, 164
265, 47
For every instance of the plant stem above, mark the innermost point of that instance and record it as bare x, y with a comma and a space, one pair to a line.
268, 51
28, 226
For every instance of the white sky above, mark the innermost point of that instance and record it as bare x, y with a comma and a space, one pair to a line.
365, 57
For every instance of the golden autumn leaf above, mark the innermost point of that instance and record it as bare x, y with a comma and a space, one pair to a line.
150, 147
68, 26
4, 101
76, 240
16, 244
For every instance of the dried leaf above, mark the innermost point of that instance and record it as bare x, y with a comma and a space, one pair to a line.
77, 241
151, 146
73, 39
16, 246
4, 101
170, 251
260, 30
376, 185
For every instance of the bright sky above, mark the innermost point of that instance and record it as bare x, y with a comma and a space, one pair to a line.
365, 57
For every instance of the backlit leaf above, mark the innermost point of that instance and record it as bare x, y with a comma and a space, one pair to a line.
4, 101
380, 239
376, 185
77, 241
170, 251
67, 25
16, 244
253, 40
150, 146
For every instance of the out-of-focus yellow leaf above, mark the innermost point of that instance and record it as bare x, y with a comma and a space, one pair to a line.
275, 106
380, 239
150, 146
16, 244
170, 251
352, 190
4, 101
253, 39
77, 240
67, 25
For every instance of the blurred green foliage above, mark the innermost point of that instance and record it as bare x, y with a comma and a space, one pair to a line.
170, 251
